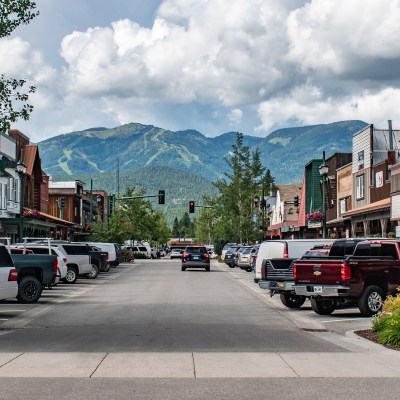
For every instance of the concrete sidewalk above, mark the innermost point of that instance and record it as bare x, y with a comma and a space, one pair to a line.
383, 363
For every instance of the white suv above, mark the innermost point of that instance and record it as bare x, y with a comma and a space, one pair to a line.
8, 275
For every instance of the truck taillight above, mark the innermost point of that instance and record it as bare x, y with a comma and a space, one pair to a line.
345, 273
55, 266
294, 272
13, 276
285, 253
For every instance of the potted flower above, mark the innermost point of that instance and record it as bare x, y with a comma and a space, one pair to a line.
315, 216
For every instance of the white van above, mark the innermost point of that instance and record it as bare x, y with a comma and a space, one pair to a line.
110, 249
284, 249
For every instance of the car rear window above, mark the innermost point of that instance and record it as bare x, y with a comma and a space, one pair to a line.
76, 250
5, 258
196, 250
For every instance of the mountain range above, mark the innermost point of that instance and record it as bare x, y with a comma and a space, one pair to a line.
155, 158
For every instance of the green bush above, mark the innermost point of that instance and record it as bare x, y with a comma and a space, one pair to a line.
387, 322
140, 256
390, 334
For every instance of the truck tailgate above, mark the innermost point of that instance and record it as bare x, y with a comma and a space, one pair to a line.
323, 271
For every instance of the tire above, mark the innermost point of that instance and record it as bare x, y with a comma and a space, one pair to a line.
292, 300
249, 269
231, 266
324, 306
72, 275
183, 269
370, 302
241, 268
94, 273
107, 268
208, 269
29, 290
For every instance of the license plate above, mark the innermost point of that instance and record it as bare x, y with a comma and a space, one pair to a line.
317, 289
195, 258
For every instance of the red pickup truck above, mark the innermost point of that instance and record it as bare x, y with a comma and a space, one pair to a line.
363, 279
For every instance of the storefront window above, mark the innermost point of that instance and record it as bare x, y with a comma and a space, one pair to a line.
360, 187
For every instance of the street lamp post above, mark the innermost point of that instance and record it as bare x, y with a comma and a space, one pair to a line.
323, 171
21, 171
99, 210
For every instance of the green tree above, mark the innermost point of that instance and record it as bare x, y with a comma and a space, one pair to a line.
13, 95
133, 219
238, 218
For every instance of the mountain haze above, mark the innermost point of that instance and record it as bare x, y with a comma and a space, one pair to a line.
183, 163
96, 150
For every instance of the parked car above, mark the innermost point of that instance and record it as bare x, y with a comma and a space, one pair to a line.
229, 257
195, 257
282, 253
141, 249
226, 248
8, 275
363, 279
119, 253
244, 258
34, 271
39, 249
176, 253
237, 253
79, 261
110, 249
253, 256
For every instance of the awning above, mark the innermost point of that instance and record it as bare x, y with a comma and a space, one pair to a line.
368, 208
338, 221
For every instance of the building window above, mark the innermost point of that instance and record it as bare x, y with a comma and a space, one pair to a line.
361, 156
360, 187
11, 190
16, 184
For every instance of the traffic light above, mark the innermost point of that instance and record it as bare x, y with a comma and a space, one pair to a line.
296, 201
191, 206
161, 197
62, 202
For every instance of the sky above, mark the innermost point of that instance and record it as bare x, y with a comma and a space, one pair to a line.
215, 66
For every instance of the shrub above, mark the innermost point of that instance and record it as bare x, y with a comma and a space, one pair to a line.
390, 334
387, 322
140, 256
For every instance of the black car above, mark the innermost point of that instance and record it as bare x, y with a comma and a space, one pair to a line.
230, 256
195, 257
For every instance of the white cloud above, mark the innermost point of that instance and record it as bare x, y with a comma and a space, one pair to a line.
235, 116
309, 61
307, 107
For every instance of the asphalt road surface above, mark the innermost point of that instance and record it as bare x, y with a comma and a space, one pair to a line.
150, 331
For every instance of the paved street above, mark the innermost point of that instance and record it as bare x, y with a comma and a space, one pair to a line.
147, 326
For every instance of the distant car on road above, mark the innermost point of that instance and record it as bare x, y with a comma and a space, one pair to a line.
196, 257
176, 253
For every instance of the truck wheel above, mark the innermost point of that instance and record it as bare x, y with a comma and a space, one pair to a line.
292, 300
106, 269
371, 300
72, 275
29, 290
231, 266
324, 306
93, 274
